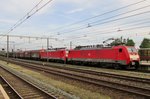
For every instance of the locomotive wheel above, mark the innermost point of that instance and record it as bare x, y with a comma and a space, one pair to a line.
116, 66
137, 65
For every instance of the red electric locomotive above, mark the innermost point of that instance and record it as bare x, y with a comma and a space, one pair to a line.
55, 54
120, 56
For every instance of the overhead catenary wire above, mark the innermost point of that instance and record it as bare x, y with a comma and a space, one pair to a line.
113, 20
133, 15
97, 40
137, 22
108, 32
66, 26
27, 16
94, 23
29, 38
109, 29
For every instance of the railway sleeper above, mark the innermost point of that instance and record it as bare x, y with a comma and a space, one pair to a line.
32, 96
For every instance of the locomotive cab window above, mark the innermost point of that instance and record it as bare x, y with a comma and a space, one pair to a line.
120, 50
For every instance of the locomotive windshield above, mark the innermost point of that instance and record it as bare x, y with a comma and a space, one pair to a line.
132, 49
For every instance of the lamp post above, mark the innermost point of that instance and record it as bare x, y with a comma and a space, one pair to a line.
7, 49
13, 50
47, 48
70, 44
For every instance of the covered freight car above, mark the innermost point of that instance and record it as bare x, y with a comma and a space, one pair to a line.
27, 54
20, 54
35, 54
144, 54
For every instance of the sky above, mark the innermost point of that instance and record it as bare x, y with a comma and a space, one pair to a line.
81, 22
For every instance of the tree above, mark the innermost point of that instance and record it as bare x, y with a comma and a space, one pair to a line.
116, 42
145, 43
121, 41
130, 42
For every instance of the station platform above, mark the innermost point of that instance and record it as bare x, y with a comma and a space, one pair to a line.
3, 94
145, 65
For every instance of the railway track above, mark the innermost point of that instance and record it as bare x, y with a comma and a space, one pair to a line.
24, 88
131, 78
59, 65
80, 75
11, 92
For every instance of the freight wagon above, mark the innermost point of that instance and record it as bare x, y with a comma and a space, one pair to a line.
144, 54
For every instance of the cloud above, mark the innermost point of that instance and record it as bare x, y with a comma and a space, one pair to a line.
20, 7
7, 21
75, 10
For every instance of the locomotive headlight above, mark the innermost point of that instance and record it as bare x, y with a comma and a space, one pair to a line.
134, 57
